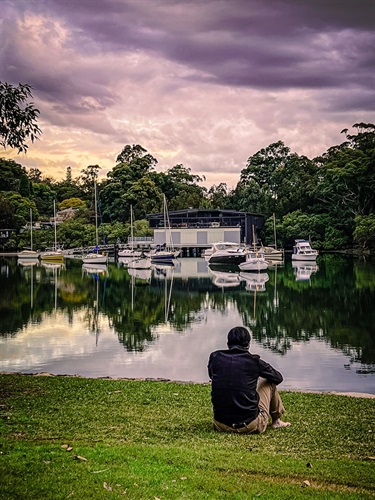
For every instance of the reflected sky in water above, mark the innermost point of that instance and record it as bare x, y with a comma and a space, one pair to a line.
78, 324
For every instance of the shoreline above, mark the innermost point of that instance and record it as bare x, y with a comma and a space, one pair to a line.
352, 394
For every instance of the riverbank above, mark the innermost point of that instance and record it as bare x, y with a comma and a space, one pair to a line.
65, 437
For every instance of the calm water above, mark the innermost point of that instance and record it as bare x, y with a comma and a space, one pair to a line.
316, 325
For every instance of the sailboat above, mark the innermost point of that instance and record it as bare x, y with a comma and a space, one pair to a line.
167, 252
130, 253
29, 254
255, 260
54, 254
95, 257
272, 253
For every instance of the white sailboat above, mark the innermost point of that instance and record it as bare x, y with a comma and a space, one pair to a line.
168, 252
272, 253
55, 253
29, 254
95, 257
255, 261
130, 253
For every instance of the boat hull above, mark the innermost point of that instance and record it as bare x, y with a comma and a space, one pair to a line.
52, 256
140, 264
304, 257
227, 258
253, 266
28, 254
95, 259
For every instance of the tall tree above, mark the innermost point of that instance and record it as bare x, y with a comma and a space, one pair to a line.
347, 174
18, 116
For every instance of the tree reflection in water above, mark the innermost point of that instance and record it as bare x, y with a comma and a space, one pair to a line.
335, 304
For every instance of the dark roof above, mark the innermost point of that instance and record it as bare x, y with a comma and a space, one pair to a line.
207, 211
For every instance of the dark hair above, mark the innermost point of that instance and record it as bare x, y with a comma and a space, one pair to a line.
239, 335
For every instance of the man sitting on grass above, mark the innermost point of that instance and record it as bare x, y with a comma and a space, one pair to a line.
244, 393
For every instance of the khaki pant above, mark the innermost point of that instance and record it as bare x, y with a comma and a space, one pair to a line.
270, 405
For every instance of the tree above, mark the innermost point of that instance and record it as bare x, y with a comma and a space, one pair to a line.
15, 210
11, 174
18, 116
347, 174
261, 176
130, 154
218, 195
35, 175
364, 233
72, 203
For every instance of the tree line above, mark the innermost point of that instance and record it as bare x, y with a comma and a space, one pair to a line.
329, 199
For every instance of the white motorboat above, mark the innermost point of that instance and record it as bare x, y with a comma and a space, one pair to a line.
302, 251
95, 257
227, 253
255, 261
255, 282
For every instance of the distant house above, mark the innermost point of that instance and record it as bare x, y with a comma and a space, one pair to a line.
5, 234
64, 215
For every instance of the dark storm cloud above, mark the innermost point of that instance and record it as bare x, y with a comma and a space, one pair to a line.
201, 82
247, 43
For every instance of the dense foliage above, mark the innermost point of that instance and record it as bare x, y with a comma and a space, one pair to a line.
329, 199
18, 116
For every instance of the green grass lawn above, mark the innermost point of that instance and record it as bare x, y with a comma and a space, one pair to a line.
67, 437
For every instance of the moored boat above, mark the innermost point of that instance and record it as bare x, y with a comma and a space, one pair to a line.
54, 254
95, 257
255, 261
227, 253
302, 251
29, 254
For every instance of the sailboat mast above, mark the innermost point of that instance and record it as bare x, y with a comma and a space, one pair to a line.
96, 218
131, 227
274, 229
31, 228
54, 217
165, 219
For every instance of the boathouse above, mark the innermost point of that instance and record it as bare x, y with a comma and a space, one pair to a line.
200, 228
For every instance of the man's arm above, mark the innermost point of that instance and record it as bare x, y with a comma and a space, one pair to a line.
269, 373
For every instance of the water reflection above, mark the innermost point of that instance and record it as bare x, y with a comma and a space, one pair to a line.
304, 270
322, 314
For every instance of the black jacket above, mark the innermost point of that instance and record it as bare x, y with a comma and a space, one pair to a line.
234, 374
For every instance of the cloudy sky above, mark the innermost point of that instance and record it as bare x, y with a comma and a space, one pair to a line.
205, 83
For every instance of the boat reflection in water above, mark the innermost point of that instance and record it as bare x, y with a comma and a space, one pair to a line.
27, 262
304, 270
161, 322
140, 274
95, 269
255, 282
225, 279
